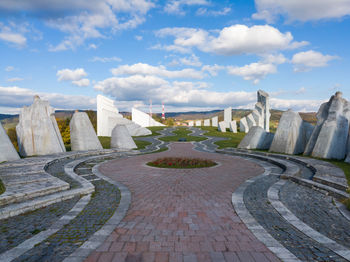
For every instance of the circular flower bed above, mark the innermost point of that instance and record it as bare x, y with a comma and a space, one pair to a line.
180, 162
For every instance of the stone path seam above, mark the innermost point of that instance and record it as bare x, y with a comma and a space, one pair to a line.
28, 244
100, 236
343, 210
273, 196
260, 233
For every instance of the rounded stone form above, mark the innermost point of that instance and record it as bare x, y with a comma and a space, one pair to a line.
121, 139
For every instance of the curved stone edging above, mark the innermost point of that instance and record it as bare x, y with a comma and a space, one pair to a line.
99, 236
273, 196
260, 233
28, 244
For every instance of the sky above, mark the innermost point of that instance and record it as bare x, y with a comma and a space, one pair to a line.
188, 54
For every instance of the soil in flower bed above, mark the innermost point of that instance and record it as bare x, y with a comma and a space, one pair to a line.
179, 162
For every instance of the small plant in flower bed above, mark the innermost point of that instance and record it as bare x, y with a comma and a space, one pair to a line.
180, 162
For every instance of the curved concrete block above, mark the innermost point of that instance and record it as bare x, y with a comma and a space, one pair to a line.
257, 138
7, 150
243, 125
121, 139
233, 126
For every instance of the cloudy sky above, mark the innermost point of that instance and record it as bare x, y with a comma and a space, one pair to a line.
189, 54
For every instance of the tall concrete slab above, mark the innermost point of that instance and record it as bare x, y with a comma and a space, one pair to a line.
143, 119
290, 134
233, 126
250, 121
191, 123
330, 136
215, 121
243, 125
347, 159
206, 122
259, 120
222, 126
257, 138
199, 123
7, 150
264, 100
133, 128
37, 130
121, 138
107, 115
228, 114
82, 133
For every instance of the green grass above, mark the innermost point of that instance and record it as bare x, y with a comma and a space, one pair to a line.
2, 187
178, 162
342, 165
233, 138
141, 144
106, 142
182, 132
154, 130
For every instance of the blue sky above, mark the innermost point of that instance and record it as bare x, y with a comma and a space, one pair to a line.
189, 54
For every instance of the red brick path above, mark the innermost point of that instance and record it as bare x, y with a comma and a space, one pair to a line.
181, 214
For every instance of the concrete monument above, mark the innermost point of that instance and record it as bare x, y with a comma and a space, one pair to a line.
191, 123
228, 115
250, 121
214, 121
7, 150
291, 134
143, 119
198, 122
233, 126
257, 138
222, 126
82, 133
330, 136
206, 122
264, 100
121, 138
37, 130
243, 125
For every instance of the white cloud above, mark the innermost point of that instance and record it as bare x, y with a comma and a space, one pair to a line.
300, 91
14, 79
71, 75
106, 59
232, 40
9, 68
296, 105
138, 37
15, 97
205, 12
254, 71
193, 60
212, 69
274, 59
301, 10
12, 34
81, 82
146, 69
176, 6
305, 61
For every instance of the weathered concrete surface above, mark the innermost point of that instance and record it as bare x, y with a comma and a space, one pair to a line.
206, 122
107, 115
264, 100
233, 126
257, 138
243, 125
215, 121
290, 137
37, 130
228, 114
222, 126
250, 121
121, 139
82, 133
198, 122
143, 119
191, 123
133, 128
7, 150
329, 138
259, 120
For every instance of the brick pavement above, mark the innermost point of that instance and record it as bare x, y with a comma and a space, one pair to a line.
181, 214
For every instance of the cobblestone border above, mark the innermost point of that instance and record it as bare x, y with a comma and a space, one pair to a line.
81, 253
28, 244
260, 233
273, 196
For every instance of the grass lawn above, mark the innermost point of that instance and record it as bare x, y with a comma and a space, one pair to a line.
155, 130
106, 142
233, 138
2, 187
182, 132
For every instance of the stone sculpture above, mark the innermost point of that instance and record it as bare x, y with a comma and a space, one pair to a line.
330, 136
214, 121
191, 123
121, 138
228, 114
82, 133
7, 150
250, 121
206, 122
233, 126
243, 125
198, 122
37, 130
291, 135
257, 138
222, 126
259, 121
108, 117
143, 119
